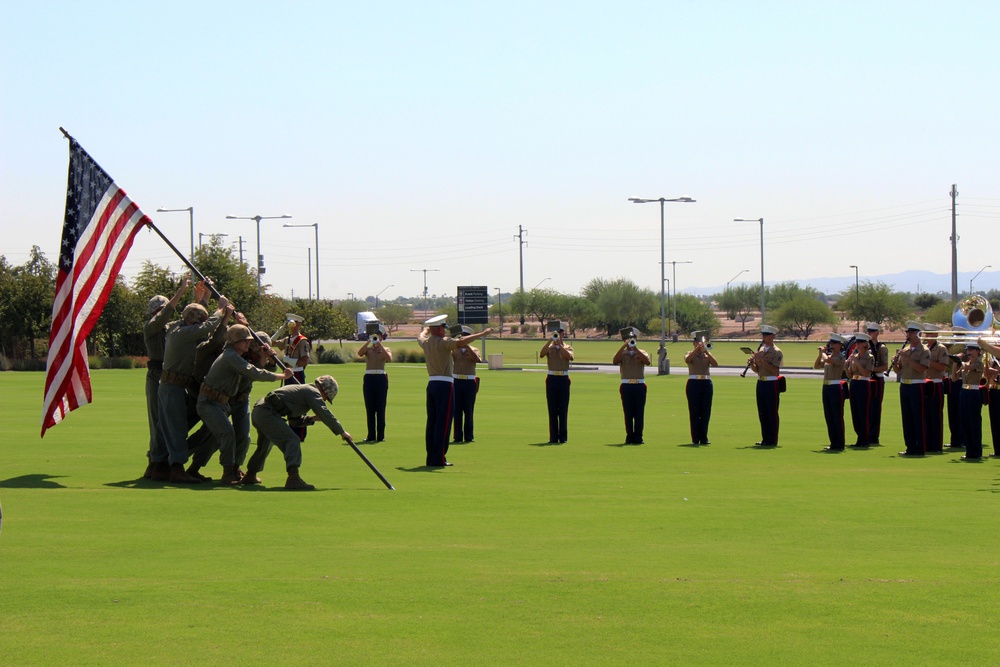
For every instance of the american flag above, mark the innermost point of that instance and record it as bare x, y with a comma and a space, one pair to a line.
100, 223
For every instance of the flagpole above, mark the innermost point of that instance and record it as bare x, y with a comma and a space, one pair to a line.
253, 333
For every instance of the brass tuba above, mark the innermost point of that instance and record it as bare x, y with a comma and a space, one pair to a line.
973, 313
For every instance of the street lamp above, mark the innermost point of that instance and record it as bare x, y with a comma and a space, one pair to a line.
380, 294
729, 282
857, 296
665, 367
315, 226
499, 311
257, 219
761, 221
201, 236
988, 266
425, 285
540, 282
675, 263
190, 210
351, 295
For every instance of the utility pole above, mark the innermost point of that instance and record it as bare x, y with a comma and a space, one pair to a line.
241, 249
425, 285
954, 243
520, 251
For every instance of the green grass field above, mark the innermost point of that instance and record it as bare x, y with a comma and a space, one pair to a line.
523, 553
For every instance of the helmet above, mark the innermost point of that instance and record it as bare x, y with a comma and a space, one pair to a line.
264, 337
237, 333
327, 385
155, 304
194, 313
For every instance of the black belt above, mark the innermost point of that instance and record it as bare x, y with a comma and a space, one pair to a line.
155, 364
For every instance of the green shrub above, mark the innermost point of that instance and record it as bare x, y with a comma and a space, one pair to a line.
513, 328
5, 364
117, 362
409, 357
335, 355
527, 329
28, 364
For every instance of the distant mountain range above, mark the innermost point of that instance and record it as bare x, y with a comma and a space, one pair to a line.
907, 281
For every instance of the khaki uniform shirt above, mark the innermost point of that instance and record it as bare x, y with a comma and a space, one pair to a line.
835, 369
376, 358
229, 368
465, 359
437, 351
773, 356
939, 355
555, 359
974, 373
919, 354
860, 366
633, 365
881, 353
698, 364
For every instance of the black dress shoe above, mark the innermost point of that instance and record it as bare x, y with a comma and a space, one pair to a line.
913, 456
705, 442
972, 459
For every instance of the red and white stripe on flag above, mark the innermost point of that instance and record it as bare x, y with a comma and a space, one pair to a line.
100, 224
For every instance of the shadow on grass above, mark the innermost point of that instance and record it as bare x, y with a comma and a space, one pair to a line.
425, 469
39, 481
545, 444
624, 444
696, 445
143, 483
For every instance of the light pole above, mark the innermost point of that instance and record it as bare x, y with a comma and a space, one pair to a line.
761, 221
190, 210
988, 266
201, 236
499, 311
857, 295
539, 283
730, 281
667, 281
315, 226
380, 294
425, 285
675, 263
257, 219
351, 295
665, 367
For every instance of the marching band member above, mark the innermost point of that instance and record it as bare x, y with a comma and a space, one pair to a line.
910, 364
859, 369
971, 403
632, 364
881, 354
831, 360
699, 390
766, 362
934, 390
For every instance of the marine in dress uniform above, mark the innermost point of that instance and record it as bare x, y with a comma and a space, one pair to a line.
632, 364
291, 402
911, 364
375, 386
296, 354
934, 390
437, 347
859, 371
831, 360
954, 393
992, 375
971, 404
159, 311
182, 337
466, 386
221, 384
557, 354
766, 363
880, 351
699, 389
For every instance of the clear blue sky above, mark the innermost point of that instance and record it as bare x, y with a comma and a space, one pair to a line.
420, 135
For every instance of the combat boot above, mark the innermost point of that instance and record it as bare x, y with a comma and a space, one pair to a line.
230, 476
149, 471
194, 470
250, 477
179, 476
160, 472
296, 483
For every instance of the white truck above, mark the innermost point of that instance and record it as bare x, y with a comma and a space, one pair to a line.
363, 320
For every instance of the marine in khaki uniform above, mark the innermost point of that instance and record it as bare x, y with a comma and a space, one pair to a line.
557, 354
953, 390
911, 364
861, 388
766, 363
880, 351
831, 360
466, 386
971, 404
632, 363
437, 347
375, 386
934, 390
699, 389
992, 375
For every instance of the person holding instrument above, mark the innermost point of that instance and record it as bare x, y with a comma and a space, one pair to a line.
880, 351
859, 370
375, 386
971, 405
911, 363
699, 389
831, 360
934, 392
632, 364
557, 354
992, 375
766, 362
